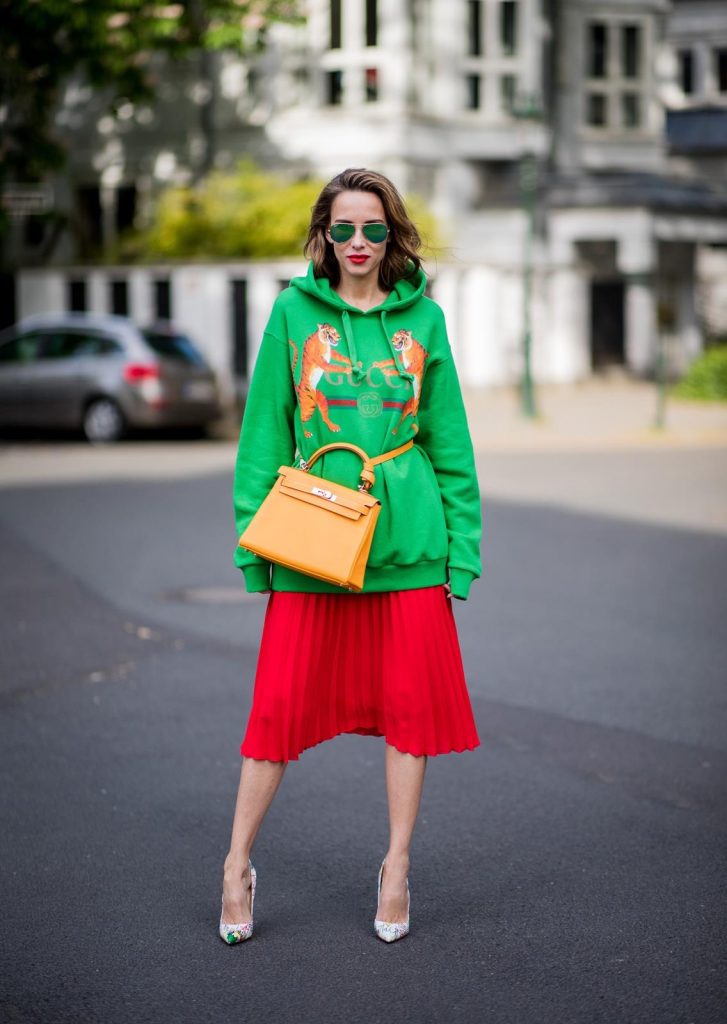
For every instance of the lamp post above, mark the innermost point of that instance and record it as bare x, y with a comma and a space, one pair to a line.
528, 188
528, 108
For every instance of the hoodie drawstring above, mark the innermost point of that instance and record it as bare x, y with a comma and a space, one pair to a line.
356, 366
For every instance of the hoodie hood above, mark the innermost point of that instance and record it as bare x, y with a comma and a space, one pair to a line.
405, 293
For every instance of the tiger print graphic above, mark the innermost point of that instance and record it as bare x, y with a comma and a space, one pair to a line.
413, 356
318, 355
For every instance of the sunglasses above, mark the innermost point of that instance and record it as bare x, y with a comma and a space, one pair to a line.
376, 233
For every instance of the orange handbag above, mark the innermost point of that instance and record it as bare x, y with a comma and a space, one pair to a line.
316, 526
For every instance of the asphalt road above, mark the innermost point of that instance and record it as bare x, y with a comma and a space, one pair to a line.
570, 870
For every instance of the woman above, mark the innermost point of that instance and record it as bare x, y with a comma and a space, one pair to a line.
356, 352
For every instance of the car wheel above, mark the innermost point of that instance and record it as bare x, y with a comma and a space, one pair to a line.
103, 422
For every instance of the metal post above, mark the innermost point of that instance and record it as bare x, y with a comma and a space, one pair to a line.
528, 190
660, 418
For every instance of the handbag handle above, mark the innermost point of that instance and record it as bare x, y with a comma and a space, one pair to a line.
368, 477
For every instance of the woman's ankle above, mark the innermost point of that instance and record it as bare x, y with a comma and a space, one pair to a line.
398, 860
236, 865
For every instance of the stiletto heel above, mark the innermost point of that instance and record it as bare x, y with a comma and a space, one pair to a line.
386, 930
233, 933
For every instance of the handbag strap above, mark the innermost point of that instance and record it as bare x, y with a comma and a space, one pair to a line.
367, 471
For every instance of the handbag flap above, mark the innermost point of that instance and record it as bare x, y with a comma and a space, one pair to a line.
296, 483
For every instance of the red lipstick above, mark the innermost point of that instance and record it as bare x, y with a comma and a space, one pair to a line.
357, 259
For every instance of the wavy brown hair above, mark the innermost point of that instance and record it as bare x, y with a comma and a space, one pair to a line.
402, 257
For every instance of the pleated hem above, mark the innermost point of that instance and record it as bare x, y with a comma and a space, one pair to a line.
362, 731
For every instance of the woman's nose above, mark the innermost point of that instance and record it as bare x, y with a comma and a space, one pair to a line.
359, 239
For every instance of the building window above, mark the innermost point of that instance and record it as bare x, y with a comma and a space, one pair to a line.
334, 91
119, 297
596, 113
630, 109
372, 23
507, 92
335, 40
474, 28
125, 207
493, 55
162, 299
473, 92
597, 51
371, 84
615, 60
239, 328
686, 71
508, 27
720, 69
76, 297
33, 231
631, 51
8, 301
89, 220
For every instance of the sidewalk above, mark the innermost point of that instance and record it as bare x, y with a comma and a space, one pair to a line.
605, 415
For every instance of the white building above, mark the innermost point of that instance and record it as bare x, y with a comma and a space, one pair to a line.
583, 139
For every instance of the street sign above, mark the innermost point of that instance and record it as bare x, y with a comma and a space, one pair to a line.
23, 200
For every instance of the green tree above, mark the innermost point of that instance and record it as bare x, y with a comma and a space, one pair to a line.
110, 43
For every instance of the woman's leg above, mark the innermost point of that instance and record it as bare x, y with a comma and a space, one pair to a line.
404, 782
259, 781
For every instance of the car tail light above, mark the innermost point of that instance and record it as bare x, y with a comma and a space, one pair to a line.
135, 373
146, 377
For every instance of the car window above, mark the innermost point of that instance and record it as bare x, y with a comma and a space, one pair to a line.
56, 345
174, 346
63, 344
23, 348
88, 343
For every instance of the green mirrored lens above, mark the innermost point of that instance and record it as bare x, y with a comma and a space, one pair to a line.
374, 232
342, 232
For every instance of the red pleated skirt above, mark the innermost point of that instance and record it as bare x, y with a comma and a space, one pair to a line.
378, 664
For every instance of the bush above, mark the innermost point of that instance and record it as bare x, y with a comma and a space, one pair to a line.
247, 214
706, 378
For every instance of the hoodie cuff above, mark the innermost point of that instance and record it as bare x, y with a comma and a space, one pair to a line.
257, 577
460, 581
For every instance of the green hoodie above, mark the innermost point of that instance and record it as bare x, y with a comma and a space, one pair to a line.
327, 371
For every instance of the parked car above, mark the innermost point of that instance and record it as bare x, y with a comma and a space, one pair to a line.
104, 375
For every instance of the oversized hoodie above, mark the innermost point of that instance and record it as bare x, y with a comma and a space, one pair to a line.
327, 371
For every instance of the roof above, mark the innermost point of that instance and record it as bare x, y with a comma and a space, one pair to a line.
636, 188
110, 321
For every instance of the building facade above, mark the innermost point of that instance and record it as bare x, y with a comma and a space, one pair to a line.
575, 152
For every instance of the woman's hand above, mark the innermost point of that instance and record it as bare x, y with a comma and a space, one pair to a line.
448, 591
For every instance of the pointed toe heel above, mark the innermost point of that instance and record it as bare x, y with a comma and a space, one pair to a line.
390, 931
234, 933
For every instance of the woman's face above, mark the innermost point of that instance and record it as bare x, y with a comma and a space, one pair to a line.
358, 258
